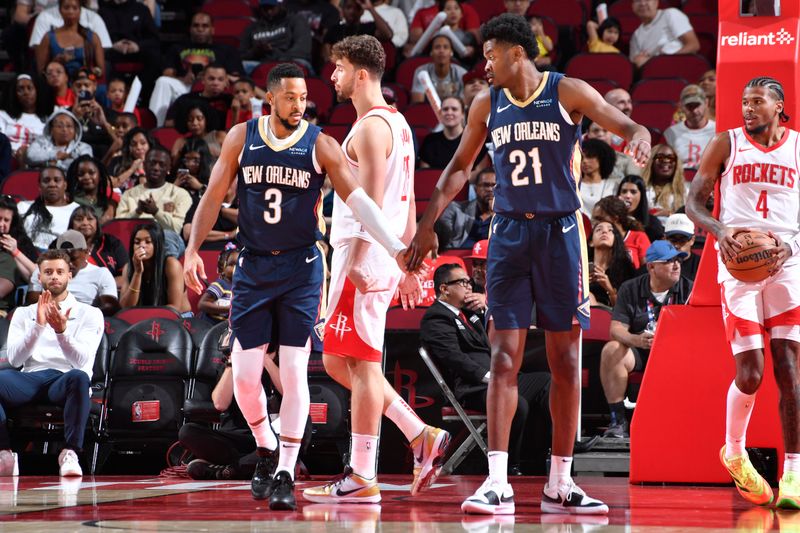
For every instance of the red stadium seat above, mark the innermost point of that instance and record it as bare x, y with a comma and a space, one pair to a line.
599, 326
425, 180
421, 115
320, 91
337, 131
343, 114
327, 71
134, 315
122, 229
221, 9
229, 30
398, 318
563, 12
708, 47
421, 132
704, 23
488, 9
614, 67
405, 71
699, 7
654, 114
401, 95
601, 86
166, 136
688, 66
148, 118
22, 184
658, 90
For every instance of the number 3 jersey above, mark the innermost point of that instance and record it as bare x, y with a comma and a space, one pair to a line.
759, 186
536, 152
279, 188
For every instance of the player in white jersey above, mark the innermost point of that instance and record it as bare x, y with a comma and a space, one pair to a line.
758, 173
364, 279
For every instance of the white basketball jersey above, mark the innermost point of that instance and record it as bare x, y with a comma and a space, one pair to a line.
759, 187
398, 183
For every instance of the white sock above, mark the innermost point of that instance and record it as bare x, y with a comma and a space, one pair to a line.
737, 417
405, 418
363, 455
498, 467
791, 463
560, 468
287, 458
247, 366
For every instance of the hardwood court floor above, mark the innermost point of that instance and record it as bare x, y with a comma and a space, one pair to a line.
139, 504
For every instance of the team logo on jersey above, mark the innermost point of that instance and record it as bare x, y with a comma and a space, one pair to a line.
319, 329
340, 326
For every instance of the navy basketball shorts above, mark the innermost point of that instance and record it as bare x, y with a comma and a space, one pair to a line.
279, 295
541, 260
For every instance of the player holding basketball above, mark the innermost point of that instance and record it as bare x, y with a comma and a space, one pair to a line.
537, 249
364, 278
757, 170
279, 164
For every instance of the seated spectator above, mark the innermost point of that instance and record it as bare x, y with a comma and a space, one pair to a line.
663, 179
199, 126
612, 209
104, 249
456, 340
60, 143
117, 95
215, 303
89, 185
226, 226
50, 17
47, 217
621, 99
470, 22
187, 59
633, 325
276, 35
624, 164
23, 115
455, 14
395, 19
213, 96
134, 38
632, 191
193, 168
72, 44
151, 277
517, 7
90, 284
690, 137
610, 264
55, 342
604, 37
122, 124
462, 224
438, 147
59, 93
478, 260
445, 74
543, 43
16, 244
245, 105
127, 169
679, 231
95, 120
708, 82
663, 31
474, 82
351, 24
156, 199
597, 164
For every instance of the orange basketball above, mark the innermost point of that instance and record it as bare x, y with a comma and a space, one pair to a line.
754, 260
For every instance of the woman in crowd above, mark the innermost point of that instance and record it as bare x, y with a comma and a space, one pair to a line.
89, 185
104, 250
664, 183
193, 168
58, 92
60, 143
444, 73
597, 164
455, 16
23, 115
13, 239
610, 266
612, 209
71, 44
631, 190
151, 277
199, 127
127, 170
47, 217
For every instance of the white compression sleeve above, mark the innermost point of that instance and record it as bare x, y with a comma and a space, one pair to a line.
247, 366
294, 379
374, 221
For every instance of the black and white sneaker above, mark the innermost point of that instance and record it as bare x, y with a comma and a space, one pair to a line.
490, 498
261, 485
281, 496
570, 499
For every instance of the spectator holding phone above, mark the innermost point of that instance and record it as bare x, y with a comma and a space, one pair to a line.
93, 117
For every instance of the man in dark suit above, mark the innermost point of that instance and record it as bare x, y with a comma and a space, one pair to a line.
456, 339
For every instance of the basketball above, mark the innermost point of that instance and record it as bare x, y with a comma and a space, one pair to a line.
754, 260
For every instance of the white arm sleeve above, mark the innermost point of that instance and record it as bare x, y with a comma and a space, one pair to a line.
374, 221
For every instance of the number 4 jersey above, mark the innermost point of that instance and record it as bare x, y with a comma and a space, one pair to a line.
279, 188
536, 152
758, 187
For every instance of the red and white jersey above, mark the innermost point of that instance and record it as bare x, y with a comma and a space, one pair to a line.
759, 187
398, 182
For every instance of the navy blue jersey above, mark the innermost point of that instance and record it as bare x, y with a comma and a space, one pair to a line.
280, 198
537, 155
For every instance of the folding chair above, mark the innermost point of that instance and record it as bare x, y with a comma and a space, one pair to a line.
469, 418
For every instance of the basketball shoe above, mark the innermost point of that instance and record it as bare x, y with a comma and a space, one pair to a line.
789, 491
490, 498
281, 496
261, 485
749, 482
429, 448
68, 463
569, 498
350, 488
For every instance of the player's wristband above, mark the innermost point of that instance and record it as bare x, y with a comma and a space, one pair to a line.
374, 221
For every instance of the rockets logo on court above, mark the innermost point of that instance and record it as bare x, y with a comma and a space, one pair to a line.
339, 326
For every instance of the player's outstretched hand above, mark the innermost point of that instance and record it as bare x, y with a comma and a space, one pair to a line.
424, 242
728, 246
409, 291
781, 253
639, 150
193, 271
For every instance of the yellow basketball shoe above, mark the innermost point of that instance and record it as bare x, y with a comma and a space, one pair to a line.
789, 491
749, 482
429, 449
350, 488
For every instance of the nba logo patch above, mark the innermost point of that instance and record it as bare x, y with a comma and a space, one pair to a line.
319, 329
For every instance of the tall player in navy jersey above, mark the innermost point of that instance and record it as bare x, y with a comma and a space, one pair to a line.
279, 163
537, 250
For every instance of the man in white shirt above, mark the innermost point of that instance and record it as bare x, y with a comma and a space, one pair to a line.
90, 284
55, 342
690, 137
663, 31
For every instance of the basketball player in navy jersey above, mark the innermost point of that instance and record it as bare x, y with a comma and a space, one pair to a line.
278, 163
537, 249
